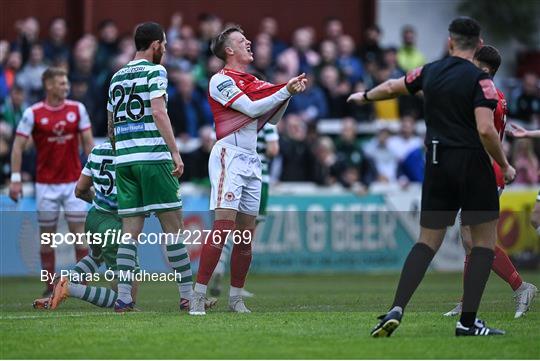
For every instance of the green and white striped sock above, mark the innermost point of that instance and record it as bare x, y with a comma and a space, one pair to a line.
87, 264
126, 261
179, 261
99, 296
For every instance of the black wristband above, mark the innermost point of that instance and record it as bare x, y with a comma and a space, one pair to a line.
366, 97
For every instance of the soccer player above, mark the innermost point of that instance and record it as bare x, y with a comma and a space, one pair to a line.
267, 148
55, 125
103, 221
459, 104
241, 105
148, 163
488, 59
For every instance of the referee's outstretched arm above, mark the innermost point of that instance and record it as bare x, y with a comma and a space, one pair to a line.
391, 88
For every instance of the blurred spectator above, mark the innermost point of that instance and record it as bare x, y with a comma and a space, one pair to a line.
29, 78
126, 46
300, 58
269, 26
4, 88
6, 132
175, 27
13, 65
311, 105
525, 162
350, 65
408, 148
196, 162
371, 50
209, 27
188, 108
297, 161
358, 167
385, 159
174, 58
333, 29
28, 35
390, 59
13, 106
526, 106
107, 47
80, 91
329, 53
262, 57
336, 91
56, 47
326, 169
409, 57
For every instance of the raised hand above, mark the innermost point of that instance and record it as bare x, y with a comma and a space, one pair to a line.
297, 84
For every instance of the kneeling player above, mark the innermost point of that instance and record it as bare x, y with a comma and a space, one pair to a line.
102, 219
488, 59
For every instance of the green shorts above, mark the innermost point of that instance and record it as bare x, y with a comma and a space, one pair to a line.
264, 199
145, 188
103, 248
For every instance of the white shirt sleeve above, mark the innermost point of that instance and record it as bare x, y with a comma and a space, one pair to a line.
26, 124
84, 122
223, 89
157, 82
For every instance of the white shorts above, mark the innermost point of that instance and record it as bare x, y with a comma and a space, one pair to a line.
51, 197
236, 179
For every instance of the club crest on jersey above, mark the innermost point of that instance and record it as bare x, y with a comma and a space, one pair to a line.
229, 196
44, 121
71, 117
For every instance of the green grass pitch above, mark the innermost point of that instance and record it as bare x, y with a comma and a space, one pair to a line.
294, 317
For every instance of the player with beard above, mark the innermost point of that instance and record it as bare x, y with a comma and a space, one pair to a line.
148, 163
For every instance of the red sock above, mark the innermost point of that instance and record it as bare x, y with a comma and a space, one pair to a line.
80, 253
504, 268
211, 250
47, 264
241, 259
465, 266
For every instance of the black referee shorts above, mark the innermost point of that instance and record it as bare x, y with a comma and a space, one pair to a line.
461, 179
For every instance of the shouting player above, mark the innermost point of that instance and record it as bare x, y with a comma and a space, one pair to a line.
241, 105
488, 59
55, 125
267, 148
148, 163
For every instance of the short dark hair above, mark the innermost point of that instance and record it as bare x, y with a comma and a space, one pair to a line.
147, 33
490, 57
220, 42
465, 32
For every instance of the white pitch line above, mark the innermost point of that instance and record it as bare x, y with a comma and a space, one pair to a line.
62, 315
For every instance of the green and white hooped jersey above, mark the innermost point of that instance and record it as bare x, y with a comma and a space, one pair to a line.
137, 138
268, 133
100, 167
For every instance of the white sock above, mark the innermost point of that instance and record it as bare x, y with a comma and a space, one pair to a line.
538, 230
186, 290
397, 308
76, 290
235, 291
200, 288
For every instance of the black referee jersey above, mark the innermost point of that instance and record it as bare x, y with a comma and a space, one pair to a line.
458, 173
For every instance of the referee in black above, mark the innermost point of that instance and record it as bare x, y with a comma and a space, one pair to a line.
459, 100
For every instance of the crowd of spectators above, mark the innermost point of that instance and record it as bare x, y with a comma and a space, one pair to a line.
336, 65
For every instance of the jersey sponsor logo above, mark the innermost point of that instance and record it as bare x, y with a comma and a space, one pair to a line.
59, 130
71, 117
44, 121
227, 89
489, 90
413, 74
129, 128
